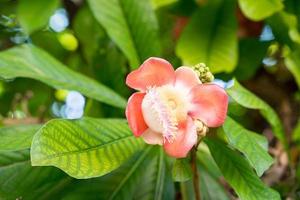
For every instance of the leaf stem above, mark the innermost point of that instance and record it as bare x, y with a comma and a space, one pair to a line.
196, 181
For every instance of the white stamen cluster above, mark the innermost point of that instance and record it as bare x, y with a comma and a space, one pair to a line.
165, 114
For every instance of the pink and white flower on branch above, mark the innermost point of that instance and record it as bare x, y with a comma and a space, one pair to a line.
169, 103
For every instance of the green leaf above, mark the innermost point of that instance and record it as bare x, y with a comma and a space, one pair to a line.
145, 176
210, 188
259, 10
181, 170
156, 4
18, 180
34, 14
292, 62
17, 137
132, 25
296, 132
285, 28
251, 53
84, 148
251, 144
238, 173
247, 99
211, 37
31, 62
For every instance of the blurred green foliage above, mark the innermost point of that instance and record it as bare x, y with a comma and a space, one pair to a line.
49, 48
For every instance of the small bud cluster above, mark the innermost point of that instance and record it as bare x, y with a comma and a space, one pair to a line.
203, 72
201, 128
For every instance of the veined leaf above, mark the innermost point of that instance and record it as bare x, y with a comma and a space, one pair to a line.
259, 10
18, 180
145, 176
31, 62
28, 10
132, 25
247, 99
17, 137
292, 62
84, 148
211, 37
251, 144
238, 173
182, 170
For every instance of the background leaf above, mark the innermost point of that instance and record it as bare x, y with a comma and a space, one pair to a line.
252, 145
247, 99
238, 173
211, 37
132, 25
84, 148
259, 10
292, 61
17, 137
31, 62
181, 170
34, 14
18, 180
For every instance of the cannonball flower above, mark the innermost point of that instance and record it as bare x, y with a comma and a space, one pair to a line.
169, 103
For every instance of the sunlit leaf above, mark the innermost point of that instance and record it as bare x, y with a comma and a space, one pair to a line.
251, 144
28, 10
247, 99
145, 176
259, 10
238, 173
211, 37
132, 25
17, 137
31, 62
84, 148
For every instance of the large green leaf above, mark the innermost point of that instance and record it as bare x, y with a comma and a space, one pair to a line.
292, 62
247, 99
18, 180
35, 14
84, 148
31, 62
17, 137
259, 10
145, 176
132, 25
238, 173
211, 37
251, 144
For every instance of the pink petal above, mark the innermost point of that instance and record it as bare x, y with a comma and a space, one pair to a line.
209, 104
134, 114
151, 137
153, 72
186, 78
185, 139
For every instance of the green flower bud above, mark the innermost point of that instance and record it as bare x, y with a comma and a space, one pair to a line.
203, 72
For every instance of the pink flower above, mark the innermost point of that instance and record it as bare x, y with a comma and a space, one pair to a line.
169, 102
